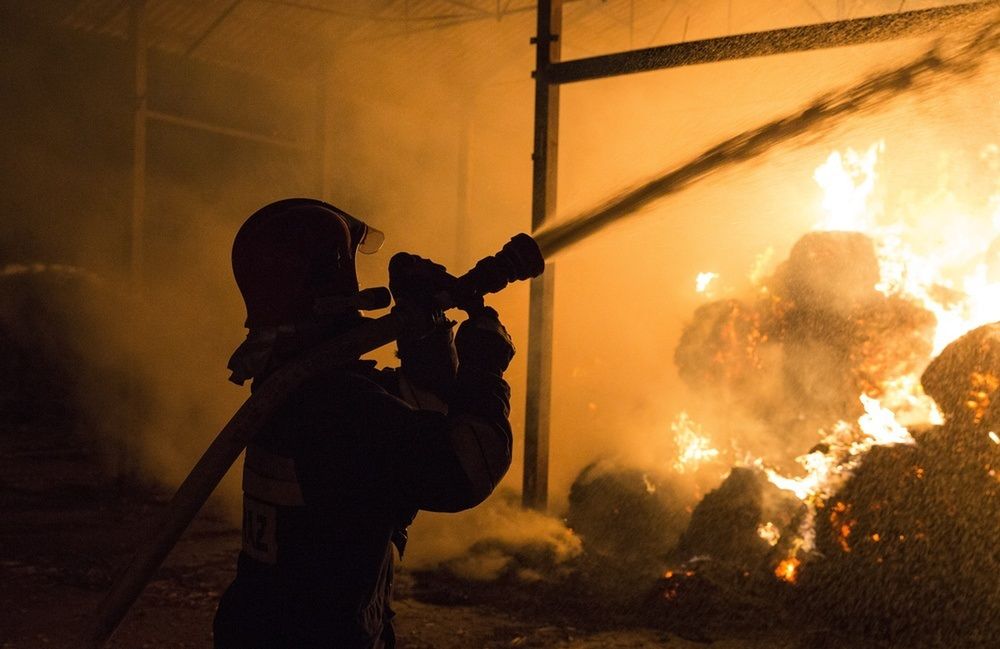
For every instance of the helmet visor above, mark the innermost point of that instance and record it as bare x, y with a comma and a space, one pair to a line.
371, 241
366, 239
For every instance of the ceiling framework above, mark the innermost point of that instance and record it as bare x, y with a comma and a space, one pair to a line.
295, 37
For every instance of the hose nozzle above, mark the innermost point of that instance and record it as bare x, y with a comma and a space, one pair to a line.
519, 259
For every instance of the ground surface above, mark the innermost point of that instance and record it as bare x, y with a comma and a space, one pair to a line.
65, 528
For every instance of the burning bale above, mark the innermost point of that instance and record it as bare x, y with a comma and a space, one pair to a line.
722, 574
729, 351
797, 355
832, 272
746, 522
964, 380
907, 549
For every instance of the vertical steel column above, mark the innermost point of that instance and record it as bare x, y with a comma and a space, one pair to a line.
139, 39
543, 203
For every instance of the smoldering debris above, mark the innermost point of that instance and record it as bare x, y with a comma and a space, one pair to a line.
626, 515
795, 356
720, 575
746, 522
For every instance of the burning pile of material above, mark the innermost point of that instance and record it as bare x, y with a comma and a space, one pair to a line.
817, 334
887, 535
747, 523
907, 550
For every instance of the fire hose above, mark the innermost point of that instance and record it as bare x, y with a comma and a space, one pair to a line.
519, 259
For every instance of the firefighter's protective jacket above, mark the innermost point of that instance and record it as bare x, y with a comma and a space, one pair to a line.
332, 483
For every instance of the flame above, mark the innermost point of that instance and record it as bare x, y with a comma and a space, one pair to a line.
880, 427
770, 533
762, 267
936, 251
693, 447
845, 446
954, 276
905, 397
702, 281
948, 275
848, 180
787, 570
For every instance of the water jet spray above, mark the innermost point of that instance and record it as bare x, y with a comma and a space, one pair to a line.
936, 64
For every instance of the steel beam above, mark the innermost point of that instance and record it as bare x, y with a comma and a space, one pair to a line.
840, 33
543, 206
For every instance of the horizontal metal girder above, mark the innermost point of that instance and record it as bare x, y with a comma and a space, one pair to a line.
779, 41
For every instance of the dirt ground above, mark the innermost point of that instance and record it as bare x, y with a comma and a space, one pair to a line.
65, 528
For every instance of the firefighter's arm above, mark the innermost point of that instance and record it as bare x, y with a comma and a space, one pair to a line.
453, 462
427, 353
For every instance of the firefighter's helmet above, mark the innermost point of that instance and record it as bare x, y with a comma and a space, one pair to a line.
293, 252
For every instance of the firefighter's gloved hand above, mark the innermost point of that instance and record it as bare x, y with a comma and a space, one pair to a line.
414, 281
483, 343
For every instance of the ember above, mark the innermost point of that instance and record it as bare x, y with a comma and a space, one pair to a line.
787, 570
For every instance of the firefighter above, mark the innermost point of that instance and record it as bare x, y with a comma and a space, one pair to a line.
339, 471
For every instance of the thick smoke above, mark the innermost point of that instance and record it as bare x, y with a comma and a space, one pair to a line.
498, 538
429, 139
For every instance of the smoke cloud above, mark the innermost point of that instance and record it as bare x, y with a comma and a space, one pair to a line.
429, 138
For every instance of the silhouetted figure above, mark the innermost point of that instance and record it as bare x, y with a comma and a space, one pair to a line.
340, 470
